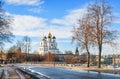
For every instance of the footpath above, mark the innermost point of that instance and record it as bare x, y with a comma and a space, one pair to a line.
11, 72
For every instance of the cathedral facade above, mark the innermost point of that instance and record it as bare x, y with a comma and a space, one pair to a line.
48, 44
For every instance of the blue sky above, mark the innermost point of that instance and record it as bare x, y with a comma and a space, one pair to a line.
36, 18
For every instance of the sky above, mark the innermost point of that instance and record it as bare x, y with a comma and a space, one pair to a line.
36, 18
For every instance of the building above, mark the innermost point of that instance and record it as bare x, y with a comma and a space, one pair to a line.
116, 59
112, 59
77, 51
3, 57
48, 44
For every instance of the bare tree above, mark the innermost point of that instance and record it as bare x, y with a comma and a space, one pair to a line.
5, 21
82, 35
20, 44
101, 17
19, 55
27, 43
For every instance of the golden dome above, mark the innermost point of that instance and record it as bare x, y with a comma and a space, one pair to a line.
49, 35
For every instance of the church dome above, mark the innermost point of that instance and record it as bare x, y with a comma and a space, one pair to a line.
49, 35
54, 37
45, 37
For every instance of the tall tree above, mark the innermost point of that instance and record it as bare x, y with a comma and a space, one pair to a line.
82, 35
20, 44
101, 17
5, 21
27, 43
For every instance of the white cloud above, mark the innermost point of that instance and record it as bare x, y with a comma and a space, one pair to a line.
66, 24
27, 25
26, 22
71, 18
25, 2
36, 10
37, 26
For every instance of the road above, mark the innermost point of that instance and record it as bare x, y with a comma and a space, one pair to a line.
60, 73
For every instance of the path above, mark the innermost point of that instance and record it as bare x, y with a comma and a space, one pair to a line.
12, 73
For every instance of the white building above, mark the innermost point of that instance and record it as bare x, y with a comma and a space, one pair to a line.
48, 44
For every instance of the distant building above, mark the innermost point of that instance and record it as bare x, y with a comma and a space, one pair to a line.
48, 44
3, 57
77, 51
112, 59
116, 59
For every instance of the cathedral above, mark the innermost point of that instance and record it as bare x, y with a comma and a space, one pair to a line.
48, 44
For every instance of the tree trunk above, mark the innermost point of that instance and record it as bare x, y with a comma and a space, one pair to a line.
99, 61
88, 60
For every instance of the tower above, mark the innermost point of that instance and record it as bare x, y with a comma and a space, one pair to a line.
77, 51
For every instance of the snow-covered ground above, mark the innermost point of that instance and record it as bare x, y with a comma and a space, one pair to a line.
1, 70
112, 67
29, 69
61, 73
